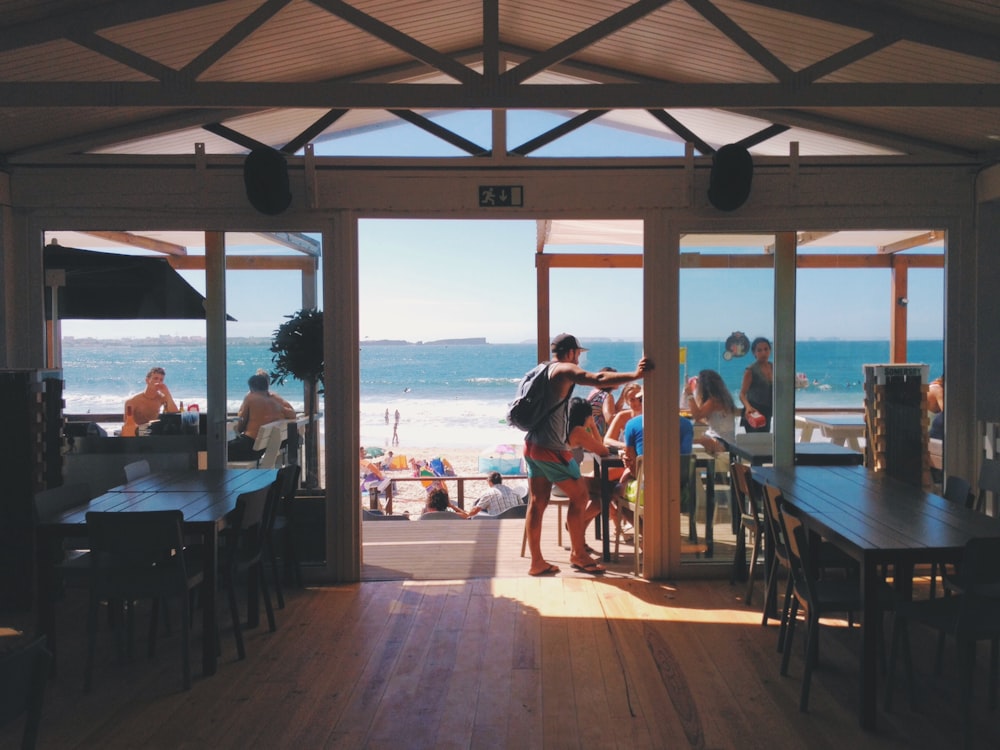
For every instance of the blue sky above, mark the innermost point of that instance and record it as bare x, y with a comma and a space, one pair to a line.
423, 280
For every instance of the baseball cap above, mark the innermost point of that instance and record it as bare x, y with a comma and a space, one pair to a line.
565, 341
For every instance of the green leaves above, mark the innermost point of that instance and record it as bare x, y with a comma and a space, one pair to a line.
297, 348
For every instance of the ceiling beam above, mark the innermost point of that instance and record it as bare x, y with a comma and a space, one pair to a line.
761, 54
228, 41
439, 131
392, 36
51, 26
861, 15
536, 96
568, 47
137, 240
910, 242
295, 241
694, 259
247, 263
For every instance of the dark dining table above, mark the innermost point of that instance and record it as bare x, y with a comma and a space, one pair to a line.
876, 520
205, 498
757, 448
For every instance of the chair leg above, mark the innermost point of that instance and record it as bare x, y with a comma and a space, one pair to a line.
812, 649
154, 616
994, 671
186, 641
279, 594
290, 558
790, 601
234, 614
267, 599
769, 587
789, 637
739, 555
966, 666
88, 672
751, 571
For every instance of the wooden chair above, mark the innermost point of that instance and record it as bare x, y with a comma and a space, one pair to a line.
956, 490
268, 443
780, 560
815, 596
243, 553
24, 673
751, 522
69, 563
135, 470
141, 555
988, 484
440, 515
278, 528
972, 615
515, 511
637, 507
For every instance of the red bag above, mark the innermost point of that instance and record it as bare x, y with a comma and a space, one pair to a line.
755, 419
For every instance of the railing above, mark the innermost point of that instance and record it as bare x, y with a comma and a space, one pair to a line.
459, 494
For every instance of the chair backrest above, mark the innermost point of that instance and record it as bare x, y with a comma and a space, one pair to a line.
958, 490
797, 546
136, 469
269, 439
640, 482
440, 515
515, 511
53, 502
248, 527
773, 515
989, 481
740, 475
138, 552
23, 675
979, 615
377, 515
289, 477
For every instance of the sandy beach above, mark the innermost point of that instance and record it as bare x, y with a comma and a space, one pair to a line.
409, 497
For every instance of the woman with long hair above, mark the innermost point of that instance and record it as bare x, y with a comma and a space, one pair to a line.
710, 401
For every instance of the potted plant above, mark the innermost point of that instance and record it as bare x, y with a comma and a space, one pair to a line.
297, 352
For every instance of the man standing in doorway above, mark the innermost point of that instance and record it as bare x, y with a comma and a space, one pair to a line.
550, 461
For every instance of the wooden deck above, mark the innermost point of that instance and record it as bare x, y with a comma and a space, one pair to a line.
492, 662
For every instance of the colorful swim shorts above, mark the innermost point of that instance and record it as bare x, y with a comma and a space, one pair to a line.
555, 465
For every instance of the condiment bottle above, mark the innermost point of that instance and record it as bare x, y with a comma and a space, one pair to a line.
130, 428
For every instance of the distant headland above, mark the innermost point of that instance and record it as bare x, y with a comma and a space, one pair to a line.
477, 341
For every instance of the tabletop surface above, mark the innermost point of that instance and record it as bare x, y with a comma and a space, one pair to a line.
838, 420
202, 496
761, 444
870, 511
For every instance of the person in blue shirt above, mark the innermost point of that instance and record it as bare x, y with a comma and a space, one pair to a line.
633, 447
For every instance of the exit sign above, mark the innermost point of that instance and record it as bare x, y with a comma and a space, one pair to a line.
501, 196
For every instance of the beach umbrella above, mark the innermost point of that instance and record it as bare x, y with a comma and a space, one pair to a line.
111, 286
373, 452
503, 449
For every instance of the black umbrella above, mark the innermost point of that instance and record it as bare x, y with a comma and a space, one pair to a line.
109, 286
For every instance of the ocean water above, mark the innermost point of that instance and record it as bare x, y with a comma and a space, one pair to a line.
446, 395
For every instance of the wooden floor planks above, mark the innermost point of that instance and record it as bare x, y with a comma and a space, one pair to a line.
502, 662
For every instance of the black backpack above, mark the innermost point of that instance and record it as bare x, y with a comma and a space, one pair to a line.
527, 409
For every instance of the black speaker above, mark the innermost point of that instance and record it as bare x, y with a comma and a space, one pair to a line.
732, 173
265, 176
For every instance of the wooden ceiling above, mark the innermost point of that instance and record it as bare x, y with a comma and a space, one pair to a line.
915, 78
